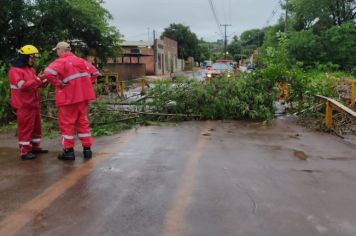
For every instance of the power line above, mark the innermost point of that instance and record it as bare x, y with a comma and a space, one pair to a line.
224, 10
211, 38
274, 12
232, 34
229, 10
215, 16
286, 19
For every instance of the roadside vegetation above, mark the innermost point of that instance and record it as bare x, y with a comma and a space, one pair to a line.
306, 82
314, 54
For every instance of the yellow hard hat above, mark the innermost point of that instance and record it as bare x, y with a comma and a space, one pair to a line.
28, 50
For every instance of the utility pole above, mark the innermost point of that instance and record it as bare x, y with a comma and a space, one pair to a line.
225, 40
286, 20
154, 52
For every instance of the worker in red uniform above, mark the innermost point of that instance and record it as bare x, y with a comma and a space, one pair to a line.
25, 99
73, 79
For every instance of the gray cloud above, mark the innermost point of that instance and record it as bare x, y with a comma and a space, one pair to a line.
136, 19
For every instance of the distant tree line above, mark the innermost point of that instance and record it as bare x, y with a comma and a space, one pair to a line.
188, 43
319, 32
186, 39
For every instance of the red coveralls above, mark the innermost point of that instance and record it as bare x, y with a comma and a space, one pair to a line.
25, 99
73, 79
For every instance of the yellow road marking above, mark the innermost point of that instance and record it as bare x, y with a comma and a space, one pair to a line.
174, 223
27, 212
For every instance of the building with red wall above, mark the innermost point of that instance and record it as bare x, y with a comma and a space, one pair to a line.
150, 58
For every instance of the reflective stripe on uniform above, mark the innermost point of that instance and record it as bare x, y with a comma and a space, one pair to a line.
24, 143
18, 85
84, 135
36, 140
68, 137
75, 76
96, 73
51, 71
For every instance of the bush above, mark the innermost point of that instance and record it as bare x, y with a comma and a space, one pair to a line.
305, 46
340, 45
248, 97
5, 109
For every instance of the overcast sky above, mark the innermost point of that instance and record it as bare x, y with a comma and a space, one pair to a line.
136, 19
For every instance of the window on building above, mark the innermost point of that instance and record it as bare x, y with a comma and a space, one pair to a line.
135, 50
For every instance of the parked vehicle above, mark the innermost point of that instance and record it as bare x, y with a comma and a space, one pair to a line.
230, 62
218, 69
223, 61
206, 64
251, 66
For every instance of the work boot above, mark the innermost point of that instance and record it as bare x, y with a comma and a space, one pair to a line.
67, 155
28, 156
87, 153
39, 151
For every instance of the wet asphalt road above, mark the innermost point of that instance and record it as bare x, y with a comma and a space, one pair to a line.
195, 178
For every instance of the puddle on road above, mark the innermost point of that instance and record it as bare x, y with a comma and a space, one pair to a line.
337, 158
254, 125
310, 171
300, 155
295, 136
8, 153
111, 169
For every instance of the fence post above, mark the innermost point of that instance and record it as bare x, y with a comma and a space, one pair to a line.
117, 83
353, 93
329, 115
142, 87
107, 85
122, 89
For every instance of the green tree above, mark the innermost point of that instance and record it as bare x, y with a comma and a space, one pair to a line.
45, 22
340, 45
204, 51
186, 39
5, 109
248, 42
305, 46
253, 38
235, 49
320, 14
13, 26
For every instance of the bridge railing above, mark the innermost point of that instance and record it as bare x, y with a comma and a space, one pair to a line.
353, 92
332, 104
114, 79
